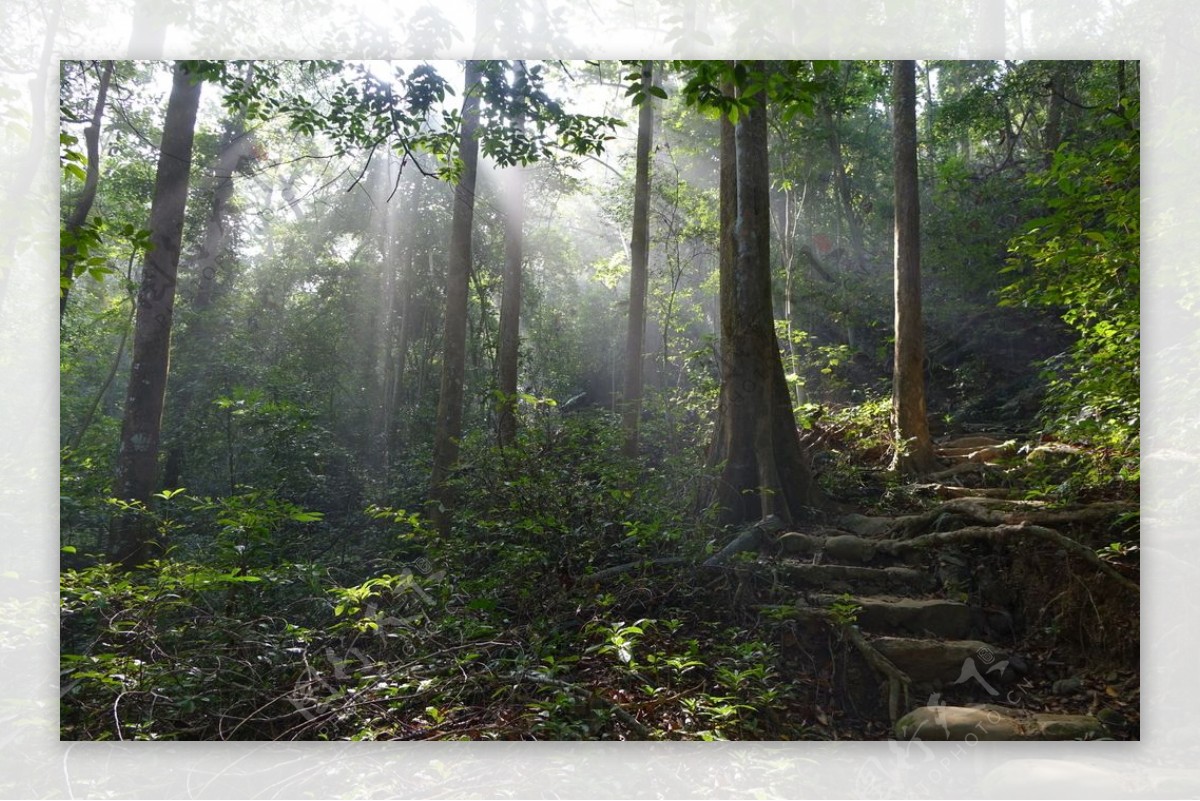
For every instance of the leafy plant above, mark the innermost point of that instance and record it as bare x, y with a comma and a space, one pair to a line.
844, 611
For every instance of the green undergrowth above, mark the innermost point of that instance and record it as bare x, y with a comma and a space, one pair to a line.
494, 631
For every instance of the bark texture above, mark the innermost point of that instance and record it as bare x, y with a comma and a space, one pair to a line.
914, 446
638, 269
764, 469
448, 432
132, 538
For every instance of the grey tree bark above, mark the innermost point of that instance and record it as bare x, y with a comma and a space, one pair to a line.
448, 431
132, 537
639, 277
764, 468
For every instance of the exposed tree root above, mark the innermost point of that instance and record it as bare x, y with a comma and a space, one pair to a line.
898, 681
959, 470
1000, 532
993, 511
951, 491
751, 539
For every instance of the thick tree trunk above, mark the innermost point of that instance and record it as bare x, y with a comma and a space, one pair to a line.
131, 538
448, 431
83, 206
639, 278
508, 357
914, 447
765, 470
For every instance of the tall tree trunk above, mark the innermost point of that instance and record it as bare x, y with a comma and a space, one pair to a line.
841, 182
765, 469
197, 349
83, 206
508, 355
235, 147
131, 538
639, 276
448, 431
914, 447
383, 380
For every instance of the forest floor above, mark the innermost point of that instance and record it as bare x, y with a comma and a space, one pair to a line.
560, 622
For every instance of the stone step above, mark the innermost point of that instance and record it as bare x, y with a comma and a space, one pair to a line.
830, 546
935, 617
855, 578
991, 722
950, 662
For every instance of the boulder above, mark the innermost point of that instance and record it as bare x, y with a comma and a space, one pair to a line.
990, 722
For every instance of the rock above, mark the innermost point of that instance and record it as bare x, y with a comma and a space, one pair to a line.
795, 543
1053, 451
854, 578
988, 722
992, 621
1067, 686
946, 661
956, 723
865, 526
933, 616
849, 548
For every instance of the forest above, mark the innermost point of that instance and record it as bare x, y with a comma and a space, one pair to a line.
605, 400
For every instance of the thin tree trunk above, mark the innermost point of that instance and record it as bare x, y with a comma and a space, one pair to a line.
448, 430
638, 269
384, 368
86, 423
1060, 90
842, 182
914, 447
83, 206
508, 355
131, 538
